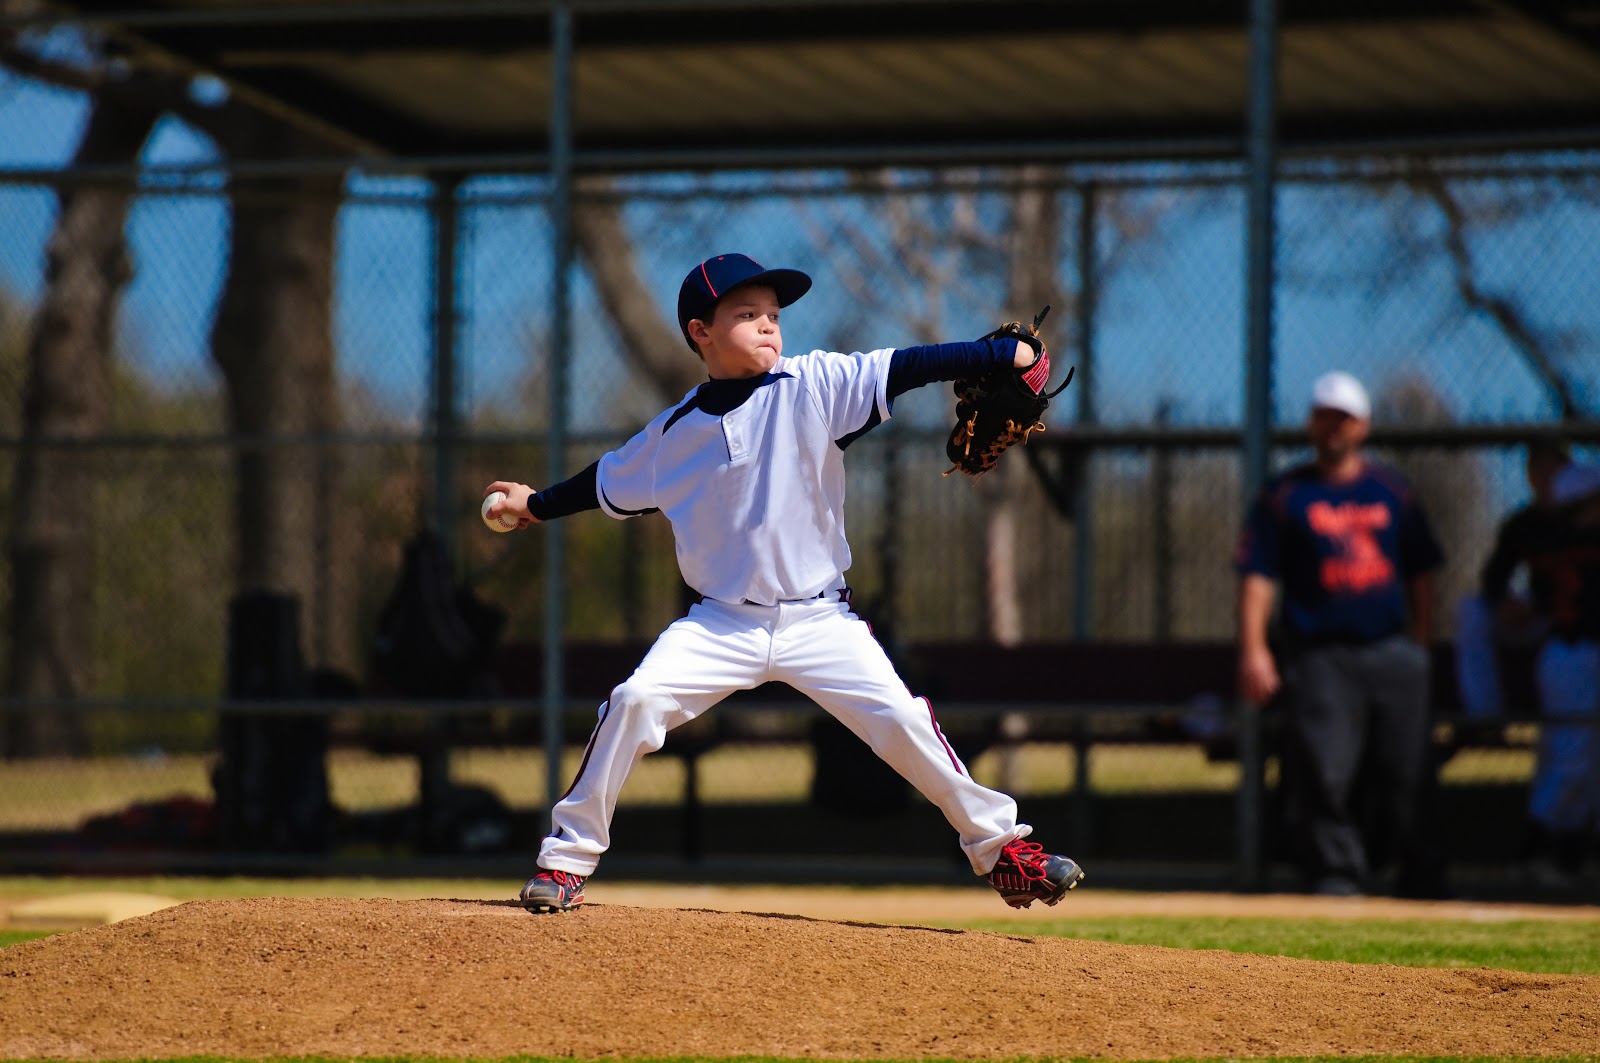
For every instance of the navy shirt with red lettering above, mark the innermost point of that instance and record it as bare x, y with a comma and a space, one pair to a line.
1342, 552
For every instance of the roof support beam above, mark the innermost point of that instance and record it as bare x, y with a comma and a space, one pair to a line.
647, 20
1549, 16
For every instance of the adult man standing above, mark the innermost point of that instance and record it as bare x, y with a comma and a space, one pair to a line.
1351, 548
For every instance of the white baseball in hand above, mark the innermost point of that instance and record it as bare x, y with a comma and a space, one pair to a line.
504, 522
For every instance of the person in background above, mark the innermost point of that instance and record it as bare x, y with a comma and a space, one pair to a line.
1564, 797
1518, 589
1352, 551
1511, 610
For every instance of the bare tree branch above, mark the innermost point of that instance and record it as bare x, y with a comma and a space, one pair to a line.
651, 342
63, 75
145, 87
1504, 313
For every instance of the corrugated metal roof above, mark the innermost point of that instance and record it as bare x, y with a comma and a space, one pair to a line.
1138, 77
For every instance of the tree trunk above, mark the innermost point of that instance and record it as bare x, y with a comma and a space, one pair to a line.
651, 343
1033, 282
67, 396
273, 342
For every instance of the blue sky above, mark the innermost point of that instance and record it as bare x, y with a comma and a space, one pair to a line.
1170, 325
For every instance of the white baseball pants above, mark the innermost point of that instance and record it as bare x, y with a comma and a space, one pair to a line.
820, 648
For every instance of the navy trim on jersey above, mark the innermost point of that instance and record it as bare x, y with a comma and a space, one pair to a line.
912, 367
719, 396
692, 404
872, 422
626, 512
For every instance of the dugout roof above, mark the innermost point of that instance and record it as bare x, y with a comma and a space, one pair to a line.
666, 83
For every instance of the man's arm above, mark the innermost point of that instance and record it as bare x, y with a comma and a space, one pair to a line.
1258, 672
1419, 603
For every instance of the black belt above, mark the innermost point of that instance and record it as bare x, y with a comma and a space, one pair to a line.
787, 601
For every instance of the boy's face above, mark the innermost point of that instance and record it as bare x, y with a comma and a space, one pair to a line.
742, 338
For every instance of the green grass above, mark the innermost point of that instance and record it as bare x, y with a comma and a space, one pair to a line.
1568, 946
1549, 947
61, 793
11, 937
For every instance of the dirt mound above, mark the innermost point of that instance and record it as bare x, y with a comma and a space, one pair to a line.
284, 977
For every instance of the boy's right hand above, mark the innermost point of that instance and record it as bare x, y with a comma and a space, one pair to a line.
515, 504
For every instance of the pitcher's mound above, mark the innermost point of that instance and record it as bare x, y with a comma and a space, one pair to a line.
291, 977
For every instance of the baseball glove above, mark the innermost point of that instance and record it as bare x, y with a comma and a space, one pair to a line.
1003, 407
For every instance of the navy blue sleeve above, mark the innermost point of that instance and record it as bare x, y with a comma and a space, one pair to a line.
912, 367
1261, 542
572, 495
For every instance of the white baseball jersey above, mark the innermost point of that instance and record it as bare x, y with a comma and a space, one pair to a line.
755, 493
751, 475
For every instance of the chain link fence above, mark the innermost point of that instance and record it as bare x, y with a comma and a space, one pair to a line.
209, 386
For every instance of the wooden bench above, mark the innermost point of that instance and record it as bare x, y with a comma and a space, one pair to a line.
1143, 691
1074, 694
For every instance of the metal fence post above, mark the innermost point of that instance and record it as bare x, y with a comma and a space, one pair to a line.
1082, 510
446, 416
1259, 271
1161, 488
1260, 234
560, 358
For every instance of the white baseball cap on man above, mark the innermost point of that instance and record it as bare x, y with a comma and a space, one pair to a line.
1342, 392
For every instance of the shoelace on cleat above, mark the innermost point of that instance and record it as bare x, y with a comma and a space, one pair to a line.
567, 881
1027, 857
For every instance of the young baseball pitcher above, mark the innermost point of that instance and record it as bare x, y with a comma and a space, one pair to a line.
749, 470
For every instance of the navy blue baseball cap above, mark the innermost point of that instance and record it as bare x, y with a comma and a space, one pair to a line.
716, 277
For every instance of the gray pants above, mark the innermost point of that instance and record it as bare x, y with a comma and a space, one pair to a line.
1357, 740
